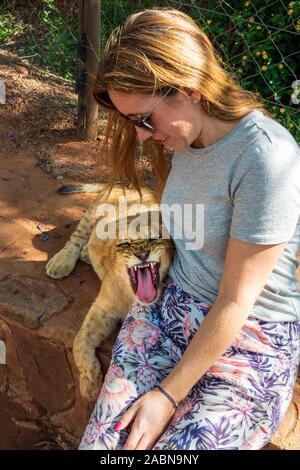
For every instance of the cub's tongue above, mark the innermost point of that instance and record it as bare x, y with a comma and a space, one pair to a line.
145, 289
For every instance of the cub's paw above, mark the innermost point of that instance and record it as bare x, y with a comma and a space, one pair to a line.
84, 255
90, 373
90, 390
63, 263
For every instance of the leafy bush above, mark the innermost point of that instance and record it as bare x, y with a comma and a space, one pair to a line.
43, 34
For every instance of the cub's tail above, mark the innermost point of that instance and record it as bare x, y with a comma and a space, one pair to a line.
82, 188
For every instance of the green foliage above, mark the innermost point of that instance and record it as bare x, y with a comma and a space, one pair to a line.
260, 45
257, 42
43, 34
57, 47
9, 27
114, 13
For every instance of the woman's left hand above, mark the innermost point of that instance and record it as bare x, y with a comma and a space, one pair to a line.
151, 414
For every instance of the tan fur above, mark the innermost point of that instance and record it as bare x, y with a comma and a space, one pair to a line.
110, 262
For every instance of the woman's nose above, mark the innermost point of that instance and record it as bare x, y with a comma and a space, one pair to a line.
142, 134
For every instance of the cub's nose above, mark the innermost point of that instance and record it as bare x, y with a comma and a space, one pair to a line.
143, 255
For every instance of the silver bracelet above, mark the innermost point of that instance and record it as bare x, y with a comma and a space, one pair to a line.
174, 404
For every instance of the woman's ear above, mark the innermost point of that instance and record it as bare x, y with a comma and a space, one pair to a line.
194, 95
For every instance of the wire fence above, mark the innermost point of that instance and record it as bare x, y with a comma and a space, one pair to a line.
257, 43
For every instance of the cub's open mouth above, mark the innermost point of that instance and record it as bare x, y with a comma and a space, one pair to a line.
144, 279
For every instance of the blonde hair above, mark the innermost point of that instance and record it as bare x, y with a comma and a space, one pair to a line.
154, 50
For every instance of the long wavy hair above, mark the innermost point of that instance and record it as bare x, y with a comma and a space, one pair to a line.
152, 51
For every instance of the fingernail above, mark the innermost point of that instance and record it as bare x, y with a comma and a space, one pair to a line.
117, 426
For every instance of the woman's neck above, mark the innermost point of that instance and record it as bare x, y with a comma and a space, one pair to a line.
213, 130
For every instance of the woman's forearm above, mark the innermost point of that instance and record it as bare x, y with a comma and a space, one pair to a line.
217, 331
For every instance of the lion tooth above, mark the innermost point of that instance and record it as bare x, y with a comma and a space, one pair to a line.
145, 265
152, 268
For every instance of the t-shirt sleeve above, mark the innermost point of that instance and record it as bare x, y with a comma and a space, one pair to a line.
266, 195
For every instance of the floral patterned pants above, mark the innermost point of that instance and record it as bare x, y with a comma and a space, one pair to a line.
238, 404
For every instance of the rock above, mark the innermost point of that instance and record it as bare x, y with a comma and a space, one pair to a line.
30, 301
45, 366
26, 424
16, 381
3, 378
18, 431
287, 436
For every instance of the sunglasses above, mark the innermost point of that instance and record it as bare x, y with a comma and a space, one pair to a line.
139, 121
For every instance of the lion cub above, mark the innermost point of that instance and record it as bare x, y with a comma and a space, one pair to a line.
130, 267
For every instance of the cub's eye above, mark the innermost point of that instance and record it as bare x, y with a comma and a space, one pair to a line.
123, 245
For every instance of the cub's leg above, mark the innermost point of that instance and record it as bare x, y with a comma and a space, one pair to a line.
63, 263
84, 255
98, 325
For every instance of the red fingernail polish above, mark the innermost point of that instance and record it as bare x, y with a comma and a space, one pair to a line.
117, 426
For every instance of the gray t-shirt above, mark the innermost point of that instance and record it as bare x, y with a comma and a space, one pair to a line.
249, 186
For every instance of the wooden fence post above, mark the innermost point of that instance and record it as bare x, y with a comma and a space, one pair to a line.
88, 54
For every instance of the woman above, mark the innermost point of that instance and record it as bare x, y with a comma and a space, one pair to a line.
213, 365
